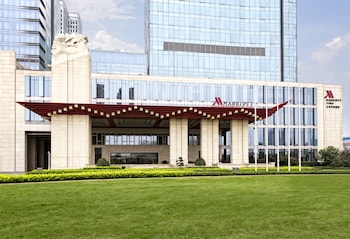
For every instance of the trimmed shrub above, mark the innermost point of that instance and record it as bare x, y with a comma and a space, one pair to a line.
102, 162
199, 162
310, 163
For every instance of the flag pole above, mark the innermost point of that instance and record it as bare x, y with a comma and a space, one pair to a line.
266, 130
278, 134
299, 128
288, 108
255, 132
267, 142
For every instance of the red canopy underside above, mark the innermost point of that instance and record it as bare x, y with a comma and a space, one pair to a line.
46, 110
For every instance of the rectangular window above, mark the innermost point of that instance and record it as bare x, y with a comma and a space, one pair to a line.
134, 158
40, 88
193, 139
100, 91
131, 93
119, 94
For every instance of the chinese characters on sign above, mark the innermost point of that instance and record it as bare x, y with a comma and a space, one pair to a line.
331, 102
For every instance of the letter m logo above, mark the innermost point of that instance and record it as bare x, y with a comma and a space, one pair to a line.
329, 94
217, 101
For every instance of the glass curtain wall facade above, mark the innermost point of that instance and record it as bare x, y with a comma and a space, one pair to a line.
38, 89
26, 27
289, 40
228, 39
113, 62
290, 131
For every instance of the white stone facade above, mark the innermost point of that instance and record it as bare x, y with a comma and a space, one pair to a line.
70, 135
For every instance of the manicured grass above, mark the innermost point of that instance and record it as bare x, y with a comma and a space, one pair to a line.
293, 206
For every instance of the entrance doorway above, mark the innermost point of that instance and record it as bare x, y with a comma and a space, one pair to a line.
225, 142
38, 148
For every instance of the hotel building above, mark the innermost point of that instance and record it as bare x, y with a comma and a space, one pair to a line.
218, 81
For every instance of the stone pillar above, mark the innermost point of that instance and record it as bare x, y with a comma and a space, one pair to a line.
178, 140
239, 142
71, 141
71, 83
8, 111
210, 141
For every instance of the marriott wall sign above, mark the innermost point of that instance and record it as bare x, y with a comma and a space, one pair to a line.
219, 102
331, 101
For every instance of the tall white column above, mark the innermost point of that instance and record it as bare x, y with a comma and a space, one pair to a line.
71, 83
210, 141
178, 140
8, 111
71, 141
239, 142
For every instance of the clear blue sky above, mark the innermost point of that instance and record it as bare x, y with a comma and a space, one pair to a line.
323, 37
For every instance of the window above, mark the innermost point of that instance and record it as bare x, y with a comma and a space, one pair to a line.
134, 158
37, 86
100, 91
130, 139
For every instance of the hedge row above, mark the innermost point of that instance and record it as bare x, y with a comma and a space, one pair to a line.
108, 173
114, 172
64, 171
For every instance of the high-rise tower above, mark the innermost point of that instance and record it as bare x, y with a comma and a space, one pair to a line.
69, 22
64, 18
226, 39
27, 28
74, 23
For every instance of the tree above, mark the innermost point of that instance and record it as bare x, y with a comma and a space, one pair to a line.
345, 157
331, 156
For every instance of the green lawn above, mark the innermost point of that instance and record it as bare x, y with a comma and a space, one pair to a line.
296, 206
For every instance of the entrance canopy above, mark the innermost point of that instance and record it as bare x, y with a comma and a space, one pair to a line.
134, 111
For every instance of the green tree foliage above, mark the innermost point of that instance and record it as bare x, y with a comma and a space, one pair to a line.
331, 156
345, 158
102, 162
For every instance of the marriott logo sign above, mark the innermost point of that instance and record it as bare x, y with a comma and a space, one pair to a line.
219, 102
329, 94
331, 101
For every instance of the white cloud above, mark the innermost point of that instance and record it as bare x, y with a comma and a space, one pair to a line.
332, 49
336, 44
104, 40
92, 11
